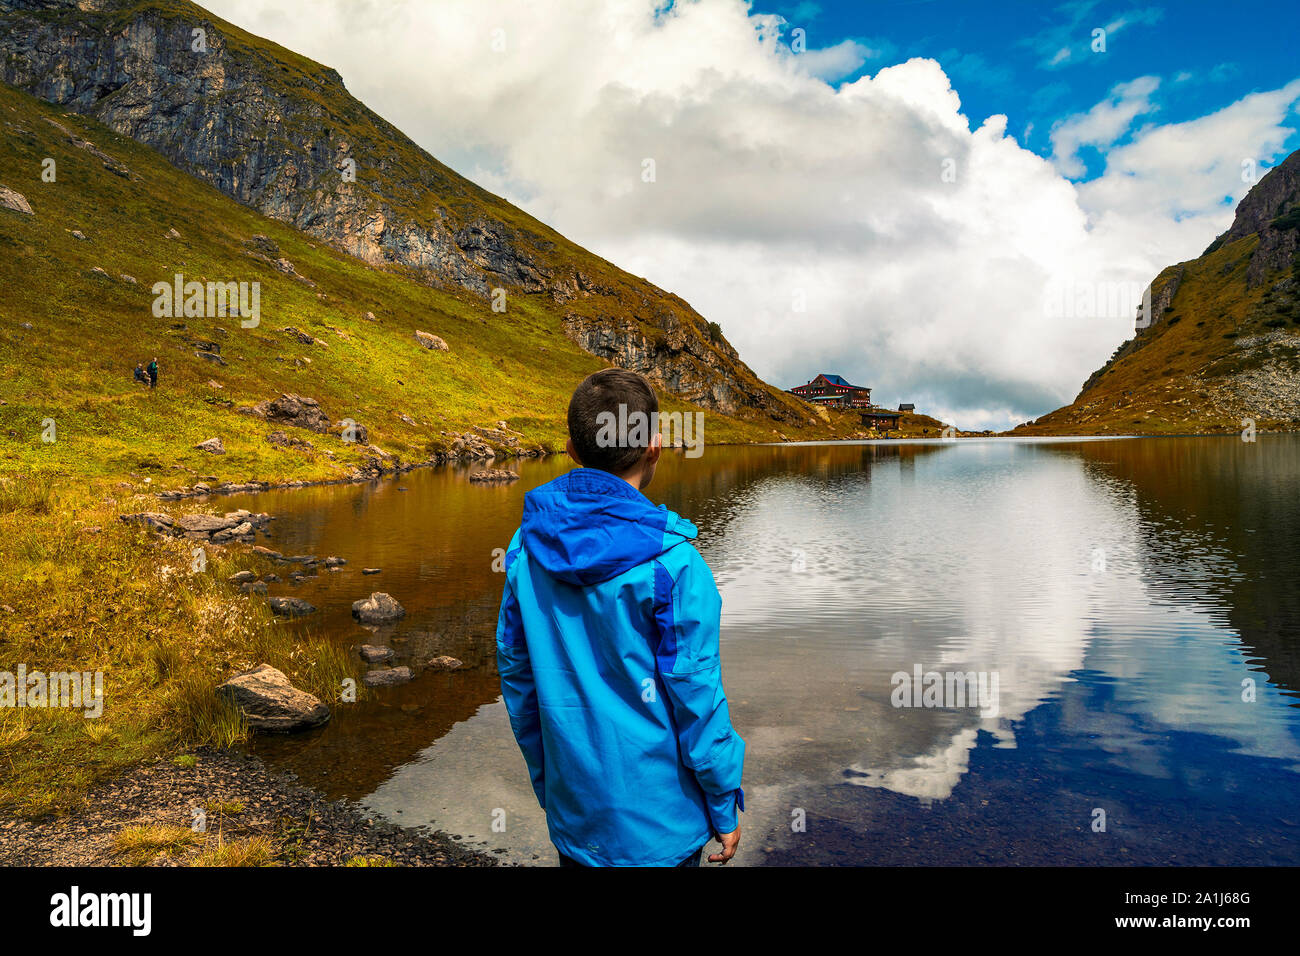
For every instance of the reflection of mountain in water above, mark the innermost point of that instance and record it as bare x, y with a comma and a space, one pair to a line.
1242, 499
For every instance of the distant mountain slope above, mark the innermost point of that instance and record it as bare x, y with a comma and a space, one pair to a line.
1223, 340
79, 259
280, 133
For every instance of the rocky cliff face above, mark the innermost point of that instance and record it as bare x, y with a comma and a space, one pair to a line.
1270, 210
281, 134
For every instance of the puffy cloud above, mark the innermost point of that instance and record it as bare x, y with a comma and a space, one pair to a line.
866, 228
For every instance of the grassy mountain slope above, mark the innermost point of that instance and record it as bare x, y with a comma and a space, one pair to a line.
87, 331
279, 132
1223, 344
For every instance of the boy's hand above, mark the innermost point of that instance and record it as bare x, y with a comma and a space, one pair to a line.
730, 841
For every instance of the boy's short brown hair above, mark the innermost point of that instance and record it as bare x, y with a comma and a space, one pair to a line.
599, 396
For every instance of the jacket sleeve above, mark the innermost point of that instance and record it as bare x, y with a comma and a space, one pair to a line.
518, 688
688, 611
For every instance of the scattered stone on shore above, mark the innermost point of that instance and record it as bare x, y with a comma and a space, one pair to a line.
444, 663
375, 653
212, 445
379, 608
242, 577
271, 703
371, 570
253, 587
493, 476
153, 520
387, 676
291, 606
233, 525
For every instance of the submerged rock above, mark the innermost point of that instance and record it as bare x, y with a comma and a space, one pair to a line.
387, 676
375, 652
444, 663
493, 476
271, 703
379, 608
291, 606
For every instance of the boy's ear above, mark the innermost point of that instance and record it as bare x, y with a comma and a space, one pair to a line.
656, 446
569, 449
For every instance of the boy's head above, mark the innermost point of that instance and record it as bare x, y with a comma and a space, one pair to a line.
613, 425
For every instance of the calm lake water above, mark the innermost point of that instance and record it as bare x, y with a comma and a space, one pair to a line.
1121, 591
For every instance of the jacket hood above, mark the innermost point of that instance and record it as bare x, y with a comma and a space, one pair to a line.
588, 526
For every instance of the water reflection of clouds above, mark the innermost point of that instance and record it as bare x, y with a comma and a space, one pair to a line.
979, 567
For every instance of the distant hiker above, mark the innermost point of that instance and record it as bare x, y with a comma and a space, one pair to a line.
153, 373
140, 375
607, 647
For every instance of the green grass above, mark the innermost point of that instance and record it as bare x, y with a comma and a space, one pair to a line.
80, 442
68, 377
140, 845
126, 604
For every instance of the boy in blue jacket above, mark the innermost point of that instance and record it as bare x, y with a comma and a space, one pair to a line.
607, 645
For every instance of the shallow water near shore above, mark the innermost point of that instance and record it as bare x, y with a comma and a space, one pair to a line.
1125, 594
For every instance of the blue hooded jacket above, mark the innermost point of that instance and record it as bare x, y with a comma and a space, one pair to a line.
607, 644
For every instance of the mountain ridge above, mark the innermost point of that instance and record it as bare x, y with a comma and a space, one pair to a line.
275, 131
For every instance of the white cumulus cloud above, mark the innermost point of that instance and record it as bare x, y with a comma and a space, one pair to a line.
926, 249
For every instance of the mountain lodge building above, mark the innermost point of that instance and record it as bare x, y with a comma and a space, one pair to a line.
833, 390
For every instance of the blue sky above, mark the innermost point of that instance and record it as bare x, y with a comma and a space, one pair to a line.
1033, 62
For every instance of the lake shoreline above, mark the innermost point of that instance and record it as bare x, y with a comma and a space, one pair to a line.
244, 804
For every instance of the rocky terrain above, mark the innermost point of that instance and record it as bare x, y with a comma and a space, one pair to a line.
242, 801
281, 134
1220, 349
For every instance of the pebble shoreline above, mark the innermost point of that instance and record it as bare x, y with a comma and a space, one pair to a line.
306, 828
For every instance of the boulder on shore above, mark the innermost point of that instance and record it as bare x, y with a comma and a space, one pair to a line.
379, 608
270, 703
